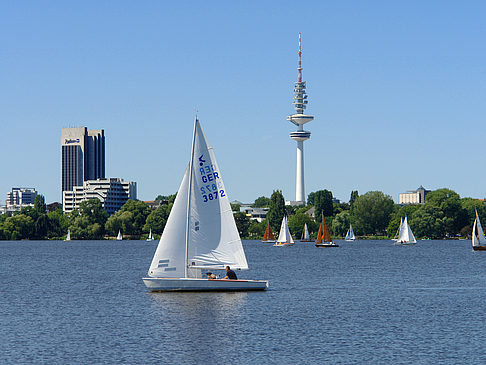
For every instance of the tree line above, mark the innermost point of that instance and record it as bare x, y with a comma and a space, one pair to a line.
374, 214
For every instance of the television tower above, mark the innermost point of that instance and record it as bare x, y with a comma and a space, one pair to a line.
300, 135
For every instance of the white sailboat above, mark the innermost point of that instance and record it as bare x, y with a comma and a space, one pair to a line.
150, 237
284, 238
200, 232
350, 234
305, 234
478, 239
119, 237
68, 237
406, 237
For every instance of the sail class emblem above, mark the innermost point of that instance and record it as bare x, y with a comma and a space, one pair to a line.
201, 161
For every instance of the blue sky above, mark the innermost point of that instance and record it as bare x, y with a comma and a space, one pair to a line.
397, 89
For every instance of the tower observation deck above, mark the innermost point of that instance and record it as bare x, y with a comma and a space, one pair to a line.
300, 135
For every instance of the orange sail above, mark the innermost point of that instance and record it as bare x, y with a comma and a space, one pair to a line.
268, 236
323, 235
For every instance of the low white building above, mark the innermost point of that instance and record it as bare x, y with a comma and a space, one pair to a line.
413, 196
258, 214
112, 193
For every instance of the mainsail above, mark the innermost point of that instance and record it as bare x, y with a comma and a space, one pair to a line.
350, 234
268, 235
200, 231
478, 238
406, 234
323, 235
285, 235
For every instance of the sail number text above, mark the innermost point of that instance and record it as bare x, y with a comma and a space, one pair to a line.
212, 188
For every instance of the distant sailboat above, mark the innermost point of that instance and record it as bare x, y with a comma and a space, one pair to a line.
119, 237
150, 237
284, 238
305, 234
201, 232
324, 236
68, 237
406, 237
268, 237
350, 234
478, 239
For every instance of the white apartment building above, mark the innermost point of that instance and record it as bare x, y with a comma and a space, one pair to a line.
413, 196
19, 198
112, 193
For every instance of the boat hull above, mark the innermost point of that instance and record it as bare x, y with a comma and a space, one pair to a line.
326, 245
479, 248
190, 284
269, 241
279, 244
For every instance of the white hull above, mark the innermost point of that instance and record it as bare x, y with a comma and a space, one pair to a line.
191, 284
283, 244
327, 244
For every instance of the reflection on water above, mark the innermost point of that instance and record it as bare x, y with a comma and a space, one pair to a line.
194, 321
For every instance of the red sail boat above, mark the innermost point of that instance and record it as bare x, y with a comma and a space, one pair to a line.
324, 237
268, 237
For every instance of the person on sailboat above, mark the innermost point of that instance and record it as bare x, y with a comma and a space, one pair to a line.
211, 276
230, 274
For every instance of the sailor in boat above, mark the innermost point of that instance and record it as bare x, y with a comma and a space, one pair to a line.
230, 274
211, 276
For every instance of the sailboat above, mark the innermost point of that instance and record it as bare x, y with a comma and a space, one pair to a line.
478, 239
68, 237
268, 236
200, 233
305, 234
324, 236
350, 234
119, 237
395, 238
406, 237
284, 238
150, 237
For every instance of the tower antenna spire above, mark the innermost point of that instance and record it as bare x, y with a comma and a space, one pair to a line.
300, 60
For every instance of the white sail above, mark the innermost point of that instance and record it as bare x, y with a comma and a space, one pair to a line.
306, 235
68, 237
200, 231
119, 237
406, 234
350, 234
478, 238
285, 235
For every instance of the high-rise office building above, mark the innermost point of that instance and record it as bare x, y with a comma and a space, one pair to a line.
82, 156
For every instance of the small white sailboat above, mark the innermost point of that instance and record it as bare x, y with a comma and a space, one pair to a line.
305, 234
350, 234
68, 237
201, 232
284, 238
119, 237
150, 237
478, 239
406, 237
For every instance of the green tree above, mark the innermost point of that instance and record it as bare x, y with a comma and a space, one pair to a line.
261, 202
242, 223
157, 220
58, 224
371, 213
297, 222
340, 223
88, 222
17, 227
353, 197
428, 221
40, 204
276, 210
140, 212
323, 204
448, 202
257, 229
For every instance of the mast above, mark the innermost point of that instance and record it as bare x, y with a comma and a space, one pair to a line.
189, 197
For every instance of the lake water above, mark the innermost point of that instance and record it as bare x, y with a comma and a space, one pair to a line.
365, 302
